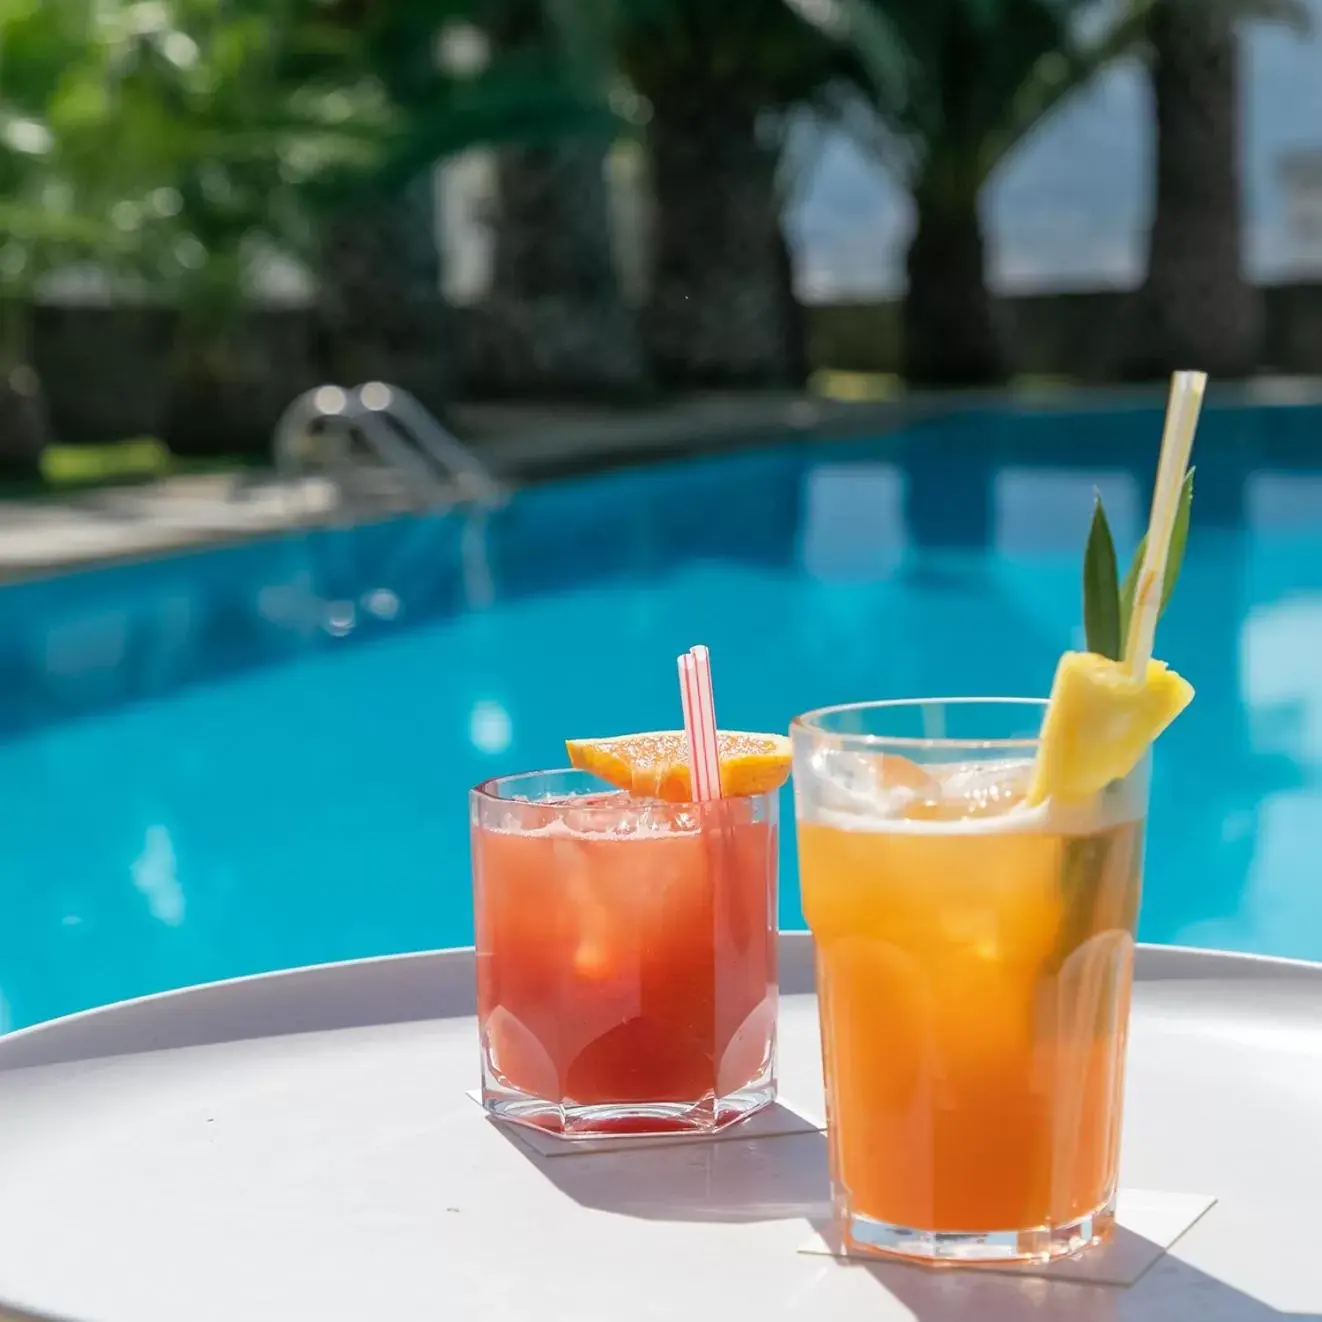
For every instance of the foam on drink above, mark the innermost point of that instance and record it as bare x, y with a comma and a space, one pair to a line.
855, 791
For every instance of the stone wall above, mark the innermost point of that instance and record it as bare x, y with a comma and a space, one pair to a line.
107, 371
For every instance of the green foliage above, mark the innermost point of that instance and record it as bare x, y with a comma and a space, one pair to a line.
1108, 607
163, 140
170, 141
543, 86
1101, 594
954, 87
759, 51
45, 51
174, 143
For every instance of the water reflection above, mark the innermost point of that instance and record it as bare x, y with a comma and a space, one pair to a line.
1282, 680
853, 522
1279, 910
1044, 510
338, 618
1284, 502
490, 728
80, 646
155, 875
1040, 523
1264, 590
382, 603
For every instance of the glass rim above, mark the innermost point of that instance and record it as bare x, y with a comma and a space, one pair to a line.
810, 723
485, 790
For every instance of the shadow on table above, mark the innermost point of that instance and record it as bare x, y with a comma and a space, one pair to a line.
1172, 1291
728, 1180
785, 1178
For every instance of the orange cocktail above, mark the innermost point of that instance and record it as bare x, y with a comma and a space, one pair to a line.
626, 955
974, 961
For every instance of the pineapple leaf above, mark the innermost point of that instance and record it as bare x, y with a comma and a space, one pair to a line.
1101, 596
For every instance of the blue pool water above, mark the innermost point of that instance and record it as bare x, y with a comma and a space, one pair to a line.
229, 762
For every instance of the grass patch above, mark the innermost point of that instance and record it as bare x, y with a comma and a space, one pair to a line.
856, 387
1042, 383
66, 469
880, 387
98, 465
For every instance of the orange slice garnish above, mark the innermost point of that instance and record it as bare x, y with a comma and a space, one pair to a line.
657, 764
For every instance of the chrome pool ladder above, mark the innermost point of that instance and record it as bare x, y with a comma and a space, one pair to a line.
400, 433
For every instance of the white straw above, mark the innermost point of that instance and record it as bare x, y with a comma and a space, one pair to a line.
688, 690
707, 720
1182, 410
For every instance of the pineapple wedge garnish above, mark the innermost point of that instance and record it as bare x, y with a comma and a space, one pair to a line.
1109, 704
1100, 722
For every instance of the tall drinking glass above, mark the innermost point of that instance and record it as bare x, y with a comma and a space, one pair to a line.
626, 956
974, 965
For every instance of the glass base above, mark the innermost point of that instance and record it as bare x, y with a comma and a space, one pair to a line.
570, 1120
867, 1237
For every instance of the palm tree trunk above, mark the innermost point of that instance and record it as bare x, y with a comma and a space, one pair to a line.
383, 315
555, 321
722, 309
1196, 309
950, 335
24, 422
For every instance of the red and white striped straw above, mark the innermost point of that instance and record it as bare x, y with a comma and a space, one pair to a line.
707, 719
698, 699
689, 698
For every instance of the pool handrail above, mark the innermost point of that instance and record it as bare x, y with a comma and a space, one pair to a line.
398, 429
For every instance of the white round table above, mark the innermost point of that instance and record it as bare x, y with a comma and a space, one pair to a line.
303, 1146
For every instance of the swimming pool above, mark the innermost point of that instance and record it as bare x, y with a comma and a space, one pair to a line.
227, 762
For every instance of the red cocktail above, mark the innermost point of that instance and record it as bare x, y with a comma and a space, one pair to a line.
626, 955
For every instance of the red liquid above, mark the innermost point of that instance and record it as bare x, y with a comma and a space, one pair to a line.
627, 968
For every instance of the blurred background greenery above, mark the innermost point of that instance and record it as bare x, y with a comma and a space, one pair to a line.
236, 199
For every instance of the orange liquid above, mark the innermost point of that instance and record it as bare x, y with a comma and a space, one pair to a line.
637, 969
974, 992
